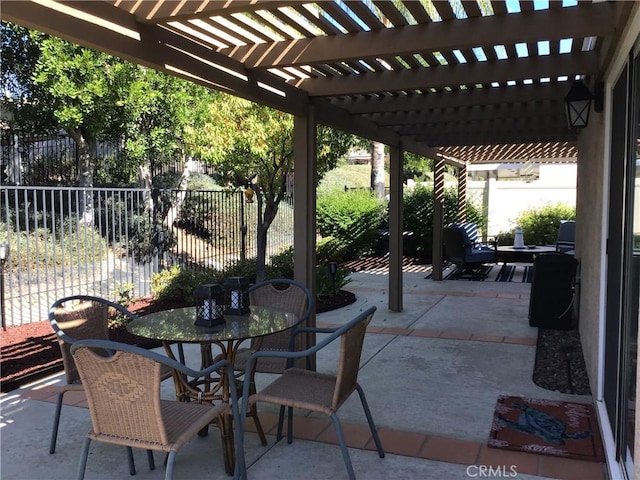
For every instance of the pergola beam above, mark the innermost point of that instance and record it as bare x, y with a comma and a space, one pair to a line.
553, 24
461, 98
500, 71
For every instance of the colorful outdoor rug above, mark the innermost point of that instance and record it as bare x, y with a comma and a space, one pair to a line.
494, 273
546, 427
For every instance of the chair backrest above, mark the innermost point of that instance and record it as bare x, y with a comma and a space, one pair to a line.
454, 238
567, 231
288, 295
351, 342
471, 229
80, 317
123, 392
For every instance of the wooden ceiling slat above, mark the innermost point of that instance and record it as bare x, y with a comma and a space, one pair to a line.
203, 31
417, 11
287, 21
390, 11
320, 22
272, 25
365, 14
249, 28
450, 58
444, 9
499, 7
472, 8
324, 70
526, 6
411, 61
394, 63
338, 14
234, 32
469, 56
173, 11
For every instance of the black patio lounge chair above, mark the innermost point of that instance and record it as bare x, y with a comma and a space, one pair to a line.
469, 258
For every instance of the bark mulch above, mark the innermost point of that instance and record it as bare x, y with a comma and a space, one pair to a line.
29, 352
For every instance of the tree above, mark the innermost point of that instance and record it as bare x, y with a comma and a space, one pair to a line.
54, 84
251, 143
377, 169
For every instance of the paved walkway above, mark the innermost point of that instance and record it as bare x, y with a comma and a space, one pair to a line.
432, 375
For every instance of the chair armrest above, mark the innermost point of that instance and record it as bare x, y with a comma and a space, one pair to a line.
334, 334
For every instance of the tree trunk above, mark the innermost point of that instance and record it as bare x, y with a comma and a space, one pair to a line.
86, 146
14, 168
265, 219
377, 170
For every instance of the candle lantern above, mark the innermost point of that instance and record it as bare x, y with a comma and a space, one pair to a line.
237, 292
209, 305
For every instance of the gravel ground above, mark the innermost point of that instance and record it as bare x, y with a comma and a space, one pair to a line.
560, 363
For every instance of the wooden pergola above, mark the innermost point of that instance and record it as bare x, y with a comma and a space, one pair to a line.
461, 82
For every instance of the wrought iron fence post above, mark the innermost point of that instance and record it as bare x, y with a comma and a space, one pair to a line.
243, 229
158, 234
4, 257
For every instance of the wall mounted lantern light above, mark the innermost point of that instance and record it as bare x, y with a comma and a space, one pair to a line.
578, 105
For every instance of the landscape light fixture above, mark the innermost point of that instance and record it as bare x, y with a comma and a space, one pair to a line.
4, 257
4, 253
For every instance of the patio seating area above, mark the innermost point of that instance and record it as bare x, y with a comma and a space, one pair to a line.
432, 374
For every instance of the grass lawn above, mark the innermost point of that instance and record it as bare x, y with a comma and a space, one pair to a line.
353, 176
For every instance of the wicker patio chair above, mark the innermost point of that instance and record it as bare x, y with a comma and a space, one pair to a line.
288, 295
87, 319
319, 392
122, 384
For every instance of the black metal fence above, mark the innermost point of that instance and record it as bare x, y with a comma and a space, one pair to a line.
102, 241
52, 159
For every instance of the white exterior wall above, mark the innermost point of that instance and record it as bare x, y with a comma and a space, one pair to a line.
509, 198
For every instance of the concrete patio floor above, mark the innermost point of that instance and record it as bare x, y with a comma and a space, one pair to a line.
432, 374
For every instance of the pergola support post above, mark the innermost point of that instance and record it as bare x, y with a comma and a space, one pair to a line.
462, 194
396, 159
438, 215
304, 207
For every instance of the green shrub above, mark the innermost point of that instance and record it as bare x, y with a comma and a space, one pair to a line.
418, 218
123, 296
540, 225
201, 181
176, 284
330, 249
328, 285
240, 268
352, 218
280, 265
167, 180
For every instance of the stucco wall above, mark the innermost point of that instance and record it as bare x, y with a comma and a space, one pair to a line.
590, 223
508, 199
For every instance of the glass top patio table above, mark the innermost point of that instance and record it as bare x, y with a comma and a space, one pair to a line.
177, 325
509, 253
